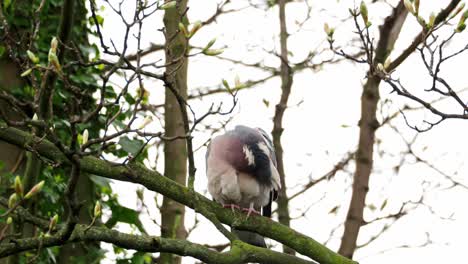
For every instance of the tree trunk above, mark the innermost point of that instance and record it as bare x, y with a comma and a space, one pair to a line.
175, 152
368, 124
11, 156
286, 83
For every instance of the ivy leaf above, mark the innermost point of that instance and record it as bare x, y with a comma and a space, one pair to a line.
100, 181
131, 146
119, 124
124, 215
129, 98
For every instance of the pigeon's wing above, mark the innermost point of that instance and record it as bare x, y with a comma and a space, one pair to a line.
266, 210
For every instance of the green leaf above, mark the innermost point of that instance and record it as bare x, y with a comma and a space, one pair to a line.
100, 181
100, 20
129, 98
131, 146
141, 258
119, 124
124, 215
6, 4
51, 255
383, 205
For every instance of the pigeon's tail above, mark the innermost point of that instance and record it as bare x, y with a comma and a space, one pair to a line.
250, 237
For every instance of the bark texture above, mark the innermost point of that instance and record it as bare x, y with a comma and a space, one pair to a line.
175, 152
11, 157
368, 124
286, 84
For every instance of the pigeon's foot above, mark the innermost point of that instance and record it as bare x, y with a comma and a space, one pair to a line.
250, 210
232, 206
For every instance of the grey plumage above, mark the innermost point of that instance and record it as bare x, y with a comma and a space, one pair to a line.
241, 171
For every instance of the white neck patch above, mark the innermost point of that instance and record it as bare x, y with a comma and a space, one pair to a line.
248, 155
264, 148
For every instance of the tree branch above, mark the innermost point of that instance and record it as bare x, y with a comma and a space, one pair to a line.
154, 181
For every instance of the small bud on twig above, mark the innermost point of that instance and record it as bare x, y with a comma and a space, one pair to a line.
416, 7
26, 73
209, 44
19, 190
380, 67
409, 6
97, 209
183, 29
32, 57
387, 63
431, 22
53, 59
34, 190
53, 222
196, 26
457, 11
460, 28
226, 84
146, 121
54, 44
85, 136
237, 82
461, 23
212, 52
364, 12
12, 200
328, 30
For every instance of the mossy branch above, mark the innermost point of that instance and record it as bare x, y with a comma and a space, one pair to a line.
240, 252
154, 181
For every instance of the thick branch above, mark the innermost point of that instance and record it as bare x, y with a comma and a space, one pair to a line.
368, 124
286, 84
175, 123
240, 252
156, 182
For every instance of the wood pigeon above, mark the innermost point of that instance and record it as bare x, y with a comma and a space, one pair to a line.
242, 174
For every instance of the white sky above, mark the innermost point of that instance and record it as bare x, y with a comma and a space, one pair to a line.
321, 130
